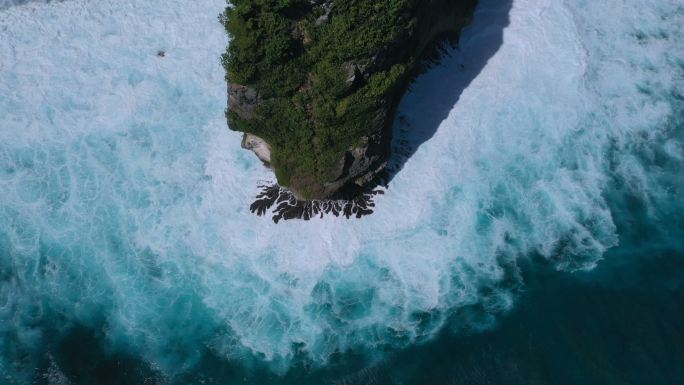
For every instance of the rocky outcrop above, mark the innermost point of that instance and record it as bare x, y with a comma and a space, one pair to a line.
259, 146
242, 100
361, 163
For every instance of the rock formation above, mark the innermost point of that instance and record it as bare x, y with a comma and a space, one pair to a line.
314, 84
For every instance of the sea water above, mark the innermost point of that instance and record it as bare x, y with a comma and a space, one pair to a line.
127, 247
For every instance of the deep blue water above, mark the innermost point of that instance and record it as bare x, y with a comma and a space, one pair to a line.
625, 328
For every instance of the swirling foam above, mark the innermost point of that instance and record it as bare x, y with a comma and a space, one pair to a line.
124, 199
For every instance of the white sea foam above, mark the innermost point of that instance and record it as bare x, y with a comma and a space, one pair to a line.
123, 196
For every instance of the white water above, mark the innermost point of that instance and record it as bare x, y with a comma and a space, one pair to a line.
124, 198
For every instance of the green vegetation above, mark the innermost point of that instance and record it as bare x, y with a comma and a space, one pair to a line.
324, 82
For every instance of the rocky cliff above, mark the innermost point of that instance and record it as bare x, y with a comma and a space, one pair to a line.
314, 84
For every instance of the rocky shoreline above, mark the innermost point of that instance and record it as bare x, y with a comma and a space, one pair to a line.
288, 207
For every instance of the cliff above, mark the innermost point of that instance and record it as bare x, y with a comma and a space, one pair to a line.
313, 84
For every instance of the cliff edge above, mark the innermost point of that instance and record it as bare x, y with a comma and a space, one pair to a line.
313, 84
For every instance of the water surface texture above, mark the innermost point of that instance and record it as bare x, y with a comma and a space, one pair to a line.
128, 253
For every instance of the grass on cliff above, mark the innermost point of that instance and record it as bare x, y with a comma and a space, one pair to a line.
310, 114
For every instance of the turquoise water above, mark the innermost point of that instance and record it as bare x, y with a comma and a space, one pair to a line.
536, 237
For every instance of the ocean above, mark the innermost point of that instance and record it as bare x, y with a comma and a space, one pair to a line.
534, 234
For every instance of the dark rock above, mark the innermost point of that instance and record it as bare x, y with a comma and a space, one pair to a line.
289, 207
242, 100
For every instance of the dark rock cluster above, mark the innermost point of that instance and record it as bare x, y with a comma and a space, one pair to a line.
287, 206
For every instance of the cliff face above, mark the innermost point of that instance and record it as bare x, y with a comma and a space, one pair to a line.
350, 62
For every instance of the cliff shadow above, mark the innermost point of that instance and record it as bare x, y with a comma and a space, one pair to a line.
435, 92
